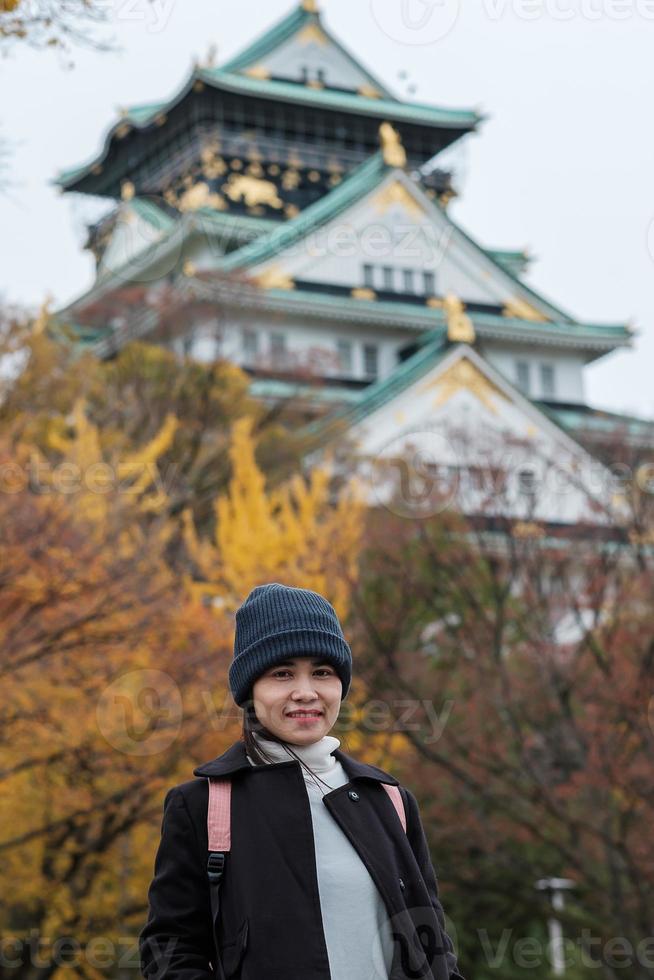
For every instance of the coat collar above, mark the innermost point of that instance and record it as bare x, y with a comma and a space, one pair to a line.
235, 759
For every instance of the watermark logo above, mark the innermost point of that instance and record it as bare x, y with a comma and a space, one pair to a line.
414, 940
416, 22
411, 477
140, 713
136, 237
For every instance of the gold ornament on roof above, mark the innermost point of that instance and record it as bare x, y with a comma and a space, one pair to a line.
290, 180
528, 530
520, 309
258, 71
255, 169
213, 165
459, 325
370, 92
464, 376
200, 196
210, 59
363, 292
311, 6
127, 190
311, 34
274, 278
252, 191
396, 193
391, 143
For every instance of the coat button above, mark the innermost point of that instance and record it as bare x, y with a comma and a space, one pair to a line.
402, 885
353, 795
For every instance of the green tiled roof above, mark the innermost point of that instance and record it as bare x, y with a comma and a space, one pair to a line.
579, 418
284, 31
357, 183
514, 261
382, 391
276, 388
149, 212
391, 109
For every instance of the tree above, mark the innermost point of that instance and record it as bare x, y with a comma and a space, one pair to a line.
526, 664
52, 23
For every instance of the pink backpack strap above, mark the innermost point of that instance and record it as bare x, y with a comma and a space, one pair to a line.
219, 825
397, 801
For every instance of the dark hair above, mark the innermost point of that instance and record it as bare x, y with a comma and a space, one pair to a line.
252, 725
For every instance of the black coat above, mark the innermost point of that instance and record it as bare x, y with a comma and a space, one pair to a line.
270, 925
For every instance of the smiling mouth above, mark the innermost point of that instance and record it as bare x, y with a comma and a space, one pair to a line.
304, 714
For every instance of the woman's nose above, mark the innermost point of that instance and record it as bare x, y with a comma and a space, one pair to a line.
304, 689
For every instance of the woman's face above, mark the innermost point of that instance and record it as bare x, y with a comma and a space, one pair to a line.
298, 700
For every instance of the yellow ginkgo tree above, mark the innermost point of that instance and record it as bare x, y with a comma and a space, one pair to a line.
297, 533
85, 470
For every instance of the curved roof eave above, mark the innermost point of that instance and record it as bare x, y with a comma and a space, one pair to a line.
141, 116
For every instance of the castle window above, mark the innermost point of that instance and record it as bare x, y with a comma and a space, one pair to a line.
344, 348
369, 276
250, 346
523, 376
370, 360
321, 75
547, 381
388, 274
527, 486
429, 283
187, 342
278, 349
409, 280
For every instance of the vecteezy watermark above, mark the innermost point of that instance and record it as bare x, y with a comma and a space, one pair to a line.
140, 251
44, 478
397, 715
568, 10
44, 952
414, 939
585, 950
140, 713
416, 22
412, 474
154, 14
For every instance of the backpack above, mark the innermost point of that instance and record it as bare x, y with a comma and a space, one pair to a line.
219, 830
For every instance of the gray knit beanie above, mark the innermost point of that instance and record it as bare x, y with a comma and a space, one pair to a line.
277, 622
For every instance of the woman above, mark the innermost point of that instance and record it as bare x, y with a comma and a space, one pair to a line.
322, 881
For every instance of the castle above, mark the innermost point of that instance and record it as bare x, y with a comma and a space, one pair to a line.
297, 209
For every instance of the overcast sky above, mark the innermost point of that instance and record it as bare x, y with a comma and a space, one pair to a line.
563, 165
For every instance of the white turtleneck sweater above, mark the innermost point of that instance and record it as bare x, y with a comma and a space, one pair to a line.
355, 919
